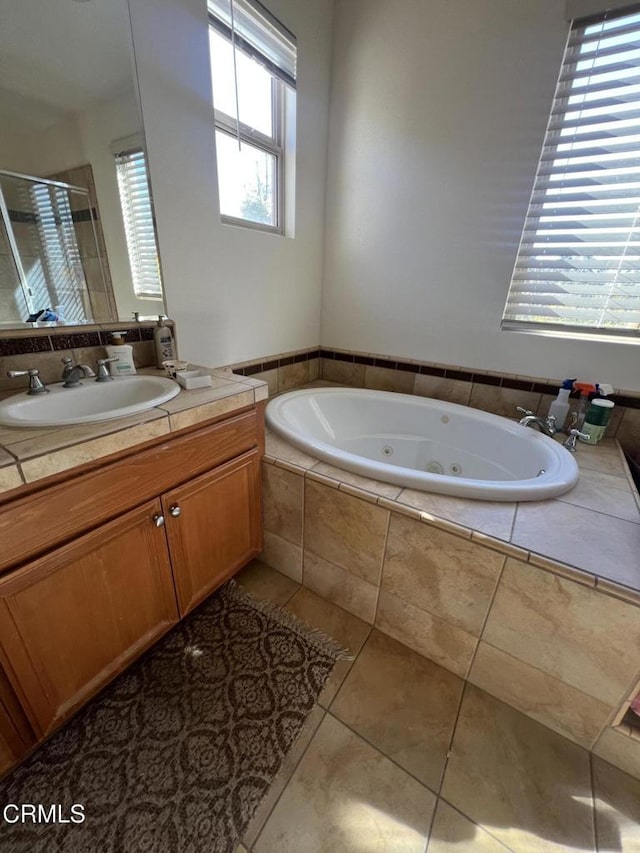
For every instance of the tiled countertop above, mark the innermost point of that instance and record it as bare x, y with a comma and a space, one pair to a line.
27, 455
591, 534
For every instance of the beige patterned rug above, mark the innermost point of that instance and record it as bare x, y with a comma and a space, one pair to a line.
176, 754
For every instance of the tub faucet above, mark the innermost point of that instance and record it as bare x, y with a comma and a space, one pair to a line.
546, 425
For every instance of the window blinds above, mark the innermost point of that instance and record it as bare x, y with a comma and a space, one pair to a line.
137, 214
578, 264
259, 34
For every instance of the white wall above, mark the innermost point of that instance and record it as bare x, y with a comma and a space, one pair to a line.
438, 111
236, 294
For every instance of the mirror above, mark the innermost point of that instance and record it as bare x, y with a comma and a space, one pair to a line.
69, 110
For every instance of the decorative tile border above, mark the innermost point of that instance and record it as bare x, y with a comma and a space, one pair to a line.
55, 339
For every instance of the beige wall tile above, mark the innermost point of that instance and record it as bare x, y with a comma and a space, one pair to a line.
439, 388
314, 369
538, 695
425, 633
386, 490
343, 372
281, 449
628, 433
282, 555
293, 375
61, 460
439, 572
270, 377
530, 787
337, 585
592, 541
620, 750
502, 401
345, 530
403, 704
570, 631
345, 795
492, 518
386, 379
282, 494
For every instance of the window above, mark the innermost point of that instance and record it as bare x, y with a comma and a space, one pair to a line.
137, 213
253, 72
578, 265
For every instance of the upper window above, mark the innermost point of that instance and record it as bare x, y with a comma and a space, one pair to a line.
137, 213
253, 72
578, 265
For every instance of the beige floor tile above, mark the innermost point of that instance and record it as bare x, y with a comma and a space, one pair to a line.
346, 797
492, 518
436, 639
339, 586
280, 782
282, 555
526, 785
345, 530
282, 502
403, 704
617, 799
449, 576
603, 493
345, 628
573, 632
452, 832
266, 583
385, 490
589, 540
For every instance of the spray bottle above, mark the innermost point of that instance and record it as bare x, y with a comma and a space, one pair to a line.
585, 389
559, 408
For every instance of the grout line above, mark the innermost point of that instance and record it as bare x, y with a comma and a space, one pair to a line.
293, 772
452, 736
594, 812
479, 825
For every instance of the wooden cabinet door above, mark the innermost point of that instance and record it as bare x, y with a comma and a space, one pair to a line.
214, 527
16, 736
72, 620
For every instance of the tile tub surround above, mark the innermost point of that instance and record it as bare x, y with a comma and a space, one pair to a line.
498, 393
28, 455
543, 626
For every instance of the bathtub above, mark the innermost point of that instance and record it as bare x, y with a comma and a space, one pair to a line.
424, 444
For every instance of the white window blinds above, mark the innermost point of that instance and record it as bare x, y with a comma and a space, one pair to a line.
258, 33
578, 265
137, 213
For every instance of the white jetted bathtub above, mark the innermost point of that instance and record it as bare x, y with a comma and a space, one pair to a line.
426, 444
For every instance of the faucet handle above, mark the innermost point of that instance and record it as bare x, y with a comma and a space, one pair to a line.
524, 412
574, 435
103, 370
36, 385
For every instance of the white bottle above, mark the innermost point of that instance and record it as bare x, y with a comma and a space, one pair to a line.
124, 353
559, 408
163, 341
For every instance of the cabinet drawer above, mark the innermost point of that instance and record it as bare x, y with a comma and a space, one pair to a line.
33, 524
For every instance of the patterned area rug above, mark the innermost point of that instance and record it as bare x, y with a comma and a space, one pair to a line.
176, 754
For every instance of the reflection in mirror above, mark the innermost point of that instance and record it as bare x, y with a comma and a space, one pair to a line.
51, 246
70, 113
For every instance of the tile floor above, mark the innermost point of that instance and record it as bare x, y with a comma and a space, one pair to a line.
400, 755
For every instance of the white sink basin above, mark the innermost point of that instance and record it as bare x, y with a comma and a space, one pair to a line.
92, 401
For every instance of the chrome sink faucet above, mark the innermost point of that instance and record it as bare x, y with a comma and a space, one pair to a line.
546, 425
73, 373
36, 385
103, 370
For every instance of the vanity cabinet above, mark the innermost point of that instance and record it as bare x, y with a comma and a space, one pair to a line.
115, 556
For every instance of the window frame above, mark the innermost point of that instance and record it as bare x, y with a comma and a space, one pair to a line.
275, 145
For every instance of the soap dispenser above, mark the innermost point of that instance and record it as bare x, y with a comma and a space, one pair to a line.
124, 366
163, 342
559, 408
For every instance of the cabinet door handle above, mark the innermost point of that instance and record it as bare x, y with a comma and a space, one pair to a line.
158, 520
175, 510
